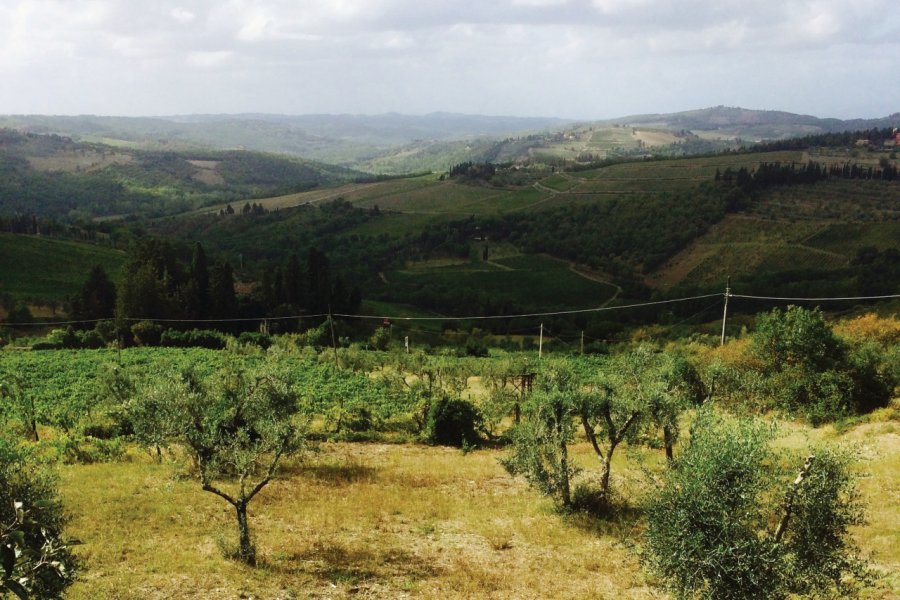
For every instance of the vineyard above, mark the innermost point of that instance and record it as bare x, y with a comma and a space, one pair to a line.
429, 474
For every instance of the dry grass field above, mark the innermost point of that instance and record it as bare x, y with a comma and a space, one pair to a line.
403, 521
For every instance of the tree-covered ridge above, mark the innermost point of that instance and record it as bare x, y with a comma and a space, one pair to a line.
52, 176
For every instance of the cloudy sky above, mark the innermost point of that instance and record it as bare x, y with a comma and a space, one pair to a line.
563, 58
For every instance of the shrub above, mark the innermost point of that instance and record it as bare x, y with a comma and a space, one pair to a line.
107, 331
47, 345
90, 340
146, 333
711, 528
34, 558
453, 423
380, 339
814, 374
255, 338
195, 338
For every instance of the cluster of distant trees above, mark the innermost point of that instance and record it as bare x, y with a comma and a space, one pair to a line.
875, 136
642, 233
247, 209
156, 285
775, 174
471, 170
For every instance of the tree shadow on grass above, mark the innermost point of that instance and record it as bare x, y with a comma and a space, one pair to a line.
348, 564
605, 515
622, 522
334, 474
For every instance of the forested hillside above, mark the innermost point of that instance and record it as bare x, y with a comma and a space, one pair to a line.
52, 176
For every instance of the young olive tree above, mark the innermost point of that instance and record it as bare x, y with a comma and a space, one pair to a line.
727, 523
540, 442
236, 425
18, 403
612, 404
671, 386
35, 559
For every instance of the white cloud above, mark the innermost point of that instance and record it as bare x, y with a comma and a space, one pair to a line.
182, 15
207, 60
529, 56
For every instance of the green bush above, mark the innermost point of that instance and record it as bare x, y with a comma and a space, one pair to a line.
86, 450
728, 524
146, 333
90, 340
814, 374
34, 558
453, 423
195, 338
47, 345
255, 338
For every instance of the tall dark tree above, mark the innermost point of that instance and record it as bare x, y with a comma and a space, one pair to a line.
197, 295
319, 281
143, 295
292, 282
223, 298
97, 298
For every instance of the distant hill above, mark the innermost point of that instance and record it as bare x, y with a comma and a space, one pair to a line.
349, 140
752, 125
55, 176
39, 269
395, 143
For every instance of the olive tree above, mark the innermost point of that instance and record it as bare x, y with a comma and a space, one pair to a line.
18, 403
735, 519
540, 442
35, 558
812, 372
671, 385
611, 405
236, 426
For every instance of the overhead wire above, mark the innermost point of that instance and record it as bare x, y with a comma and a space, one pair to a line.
468, 318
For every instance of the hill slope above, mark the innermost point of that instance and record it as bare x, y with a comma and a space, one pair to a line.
36, 268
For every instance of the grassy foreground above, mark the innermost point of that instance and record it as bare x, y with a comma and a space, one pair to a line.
401, 521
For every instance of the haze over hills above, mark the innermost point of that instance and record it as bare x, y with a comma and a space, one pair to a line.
395, 143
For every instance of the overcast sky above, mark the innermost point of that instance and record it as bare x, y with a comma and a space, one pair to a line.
557, 58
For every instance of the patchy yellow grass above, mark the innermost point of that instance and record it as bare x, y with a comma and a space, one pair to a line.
398, 521
384, 521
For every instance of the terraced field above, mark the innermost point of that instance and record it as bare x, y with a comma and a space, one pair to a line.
35, 267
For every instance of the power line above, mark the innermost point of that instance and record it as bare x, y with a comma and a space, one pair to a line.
155, 320
886, 297
450, 318
524, 315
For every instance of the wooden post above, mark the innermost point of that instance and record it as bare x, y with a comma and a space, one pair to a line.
333, 340
789, 503
725, 313
541, 343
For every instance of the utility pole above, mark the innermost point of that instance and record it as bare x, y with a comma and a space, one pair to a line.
725, 313
541, 343
333, 340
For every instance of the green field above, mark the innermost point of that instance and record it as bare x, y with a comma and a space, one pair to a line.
846, 238
687, 167
37, 268
534, 281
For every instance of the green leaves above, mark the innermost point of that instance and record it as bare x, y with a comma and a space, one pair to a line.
709, 527
35, 560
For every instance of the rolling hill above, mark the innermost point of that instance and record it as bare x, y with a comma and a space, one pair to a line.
39, 269
633, 227
393, 143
